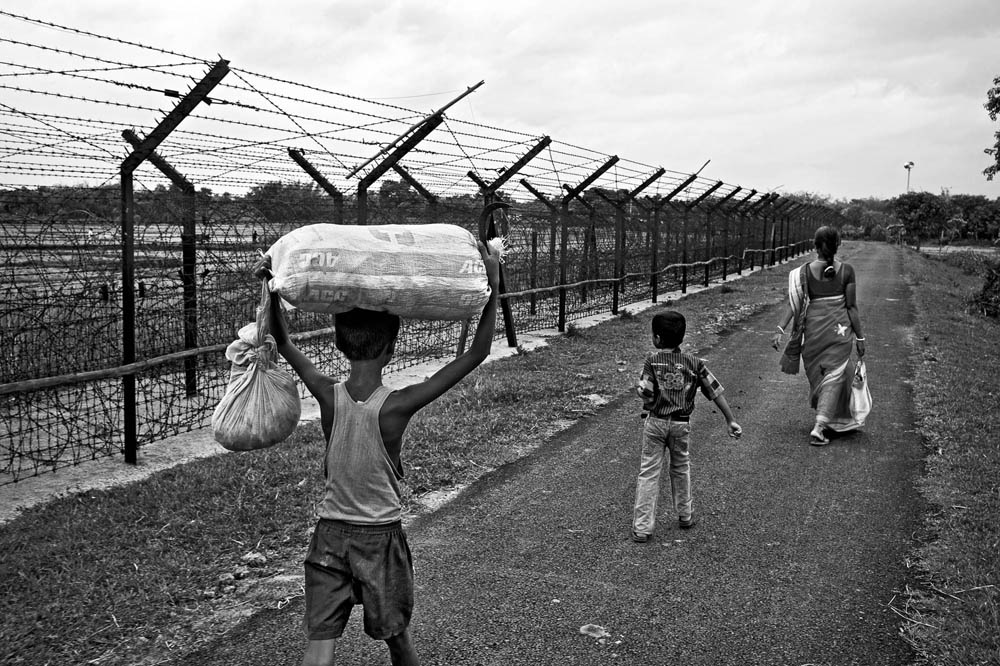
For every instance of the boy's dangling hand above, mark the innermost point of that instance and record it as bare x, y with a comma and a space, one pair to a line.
735, 431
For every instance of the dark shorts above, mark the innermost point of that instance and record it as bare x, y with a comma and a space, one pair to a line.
358, 564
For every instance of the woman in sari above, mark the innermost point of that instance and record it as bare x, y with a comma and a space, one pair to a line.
822, 310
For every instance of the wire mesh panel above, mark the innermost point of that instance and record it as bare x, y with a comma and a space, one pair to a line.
56, 427
59, 266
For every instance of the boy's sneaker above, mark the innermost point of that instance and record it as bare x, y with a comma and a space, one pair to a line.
687, 523
639, 538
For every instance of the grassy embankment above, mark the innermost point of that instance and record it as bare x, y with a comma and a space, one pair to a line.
136, 574
953, 617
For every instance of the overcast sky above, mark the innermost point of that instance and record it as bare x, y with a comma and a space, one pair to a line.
826, 97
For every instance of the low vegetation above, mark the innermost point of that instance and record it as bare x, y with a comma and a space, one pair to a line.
985, 266
953, 617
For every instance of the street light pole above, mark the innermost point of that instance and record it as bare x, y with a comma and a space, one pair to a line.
908, 166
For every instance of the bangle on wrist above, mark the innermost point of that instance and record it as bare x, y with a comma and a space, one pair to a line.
782, 330
859, 339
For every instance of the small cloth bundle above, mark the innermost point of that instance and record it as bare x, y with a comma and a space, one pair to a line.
419, 271
261, 406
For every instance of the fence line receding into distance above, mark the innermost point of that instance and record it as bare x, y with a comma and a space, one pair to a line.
137, 185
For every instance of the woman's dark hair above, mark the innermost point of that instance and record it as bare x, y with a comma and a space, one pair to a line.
670, 328
827, 241
362, 335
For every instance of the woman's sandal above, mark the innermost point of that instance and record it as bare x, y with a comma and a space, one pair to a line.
817, 438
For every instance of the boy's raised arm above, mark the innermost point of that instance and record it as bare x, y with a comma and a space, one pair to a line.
416, 396
303, 367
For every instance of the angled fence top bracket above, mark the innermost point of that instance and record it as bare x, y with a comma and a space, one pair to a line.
183, 109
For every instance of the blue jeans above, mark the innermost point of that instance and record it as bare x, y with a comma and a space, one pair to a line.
662, 438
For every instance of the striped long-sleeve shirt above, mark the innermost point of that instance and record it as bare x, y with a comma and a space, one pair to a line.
670, 380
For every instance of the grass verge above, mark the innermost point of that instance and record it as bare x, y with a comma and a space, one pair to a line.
954, 616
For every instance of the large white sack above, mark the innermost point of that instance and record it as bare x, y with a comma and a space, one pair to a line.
261, 406
420, 271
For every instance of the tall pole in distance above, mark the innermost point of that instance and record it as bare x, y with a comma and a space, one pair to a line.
908, 166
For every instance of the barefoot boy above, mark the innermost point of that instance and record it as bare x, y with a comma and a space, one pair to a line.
359, 552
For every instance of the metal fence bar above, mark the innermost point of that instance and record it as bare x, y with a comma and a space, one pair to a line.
488, 230
189, 258
141, 152
571, 193
323, 182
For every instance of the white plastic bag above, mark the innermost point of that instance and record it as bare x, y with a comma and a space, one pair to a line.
261, 406
861, 397
420, 271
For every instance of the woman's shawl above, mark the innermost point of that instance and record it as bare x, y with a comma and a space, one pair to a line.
798, 299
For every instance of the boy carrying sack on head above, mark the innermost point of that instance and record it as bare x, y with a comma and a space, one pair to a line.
359, 552
670, 378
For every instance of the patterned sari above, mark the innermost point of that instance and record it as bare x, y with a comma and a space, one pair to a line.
823, 337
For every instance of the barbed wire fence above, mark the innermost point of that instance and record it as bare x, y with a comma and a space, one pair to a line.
138, 185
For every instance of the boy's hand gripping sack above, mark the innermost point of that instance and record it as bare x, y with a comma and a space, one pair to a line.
419, 271
261, 406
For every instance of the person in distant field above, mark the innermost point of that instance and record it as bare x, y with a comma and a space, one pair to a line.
668, 384
822, 308
359, 553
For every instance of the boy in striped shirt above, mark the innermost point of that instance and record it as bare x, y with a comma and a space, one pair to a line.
668, 384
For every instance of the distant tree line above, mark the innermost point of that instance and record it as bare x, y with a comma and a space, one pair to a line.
272, 202
918, 216
948, 217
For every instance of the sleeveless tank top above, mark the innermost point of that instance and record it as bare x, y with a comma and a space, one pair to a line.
362, 484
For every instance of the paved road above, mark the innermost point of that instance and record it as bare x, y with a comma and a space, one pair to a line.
796, 559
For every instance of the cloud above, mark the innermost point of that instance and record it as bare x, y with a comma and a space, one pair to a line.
823, 96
